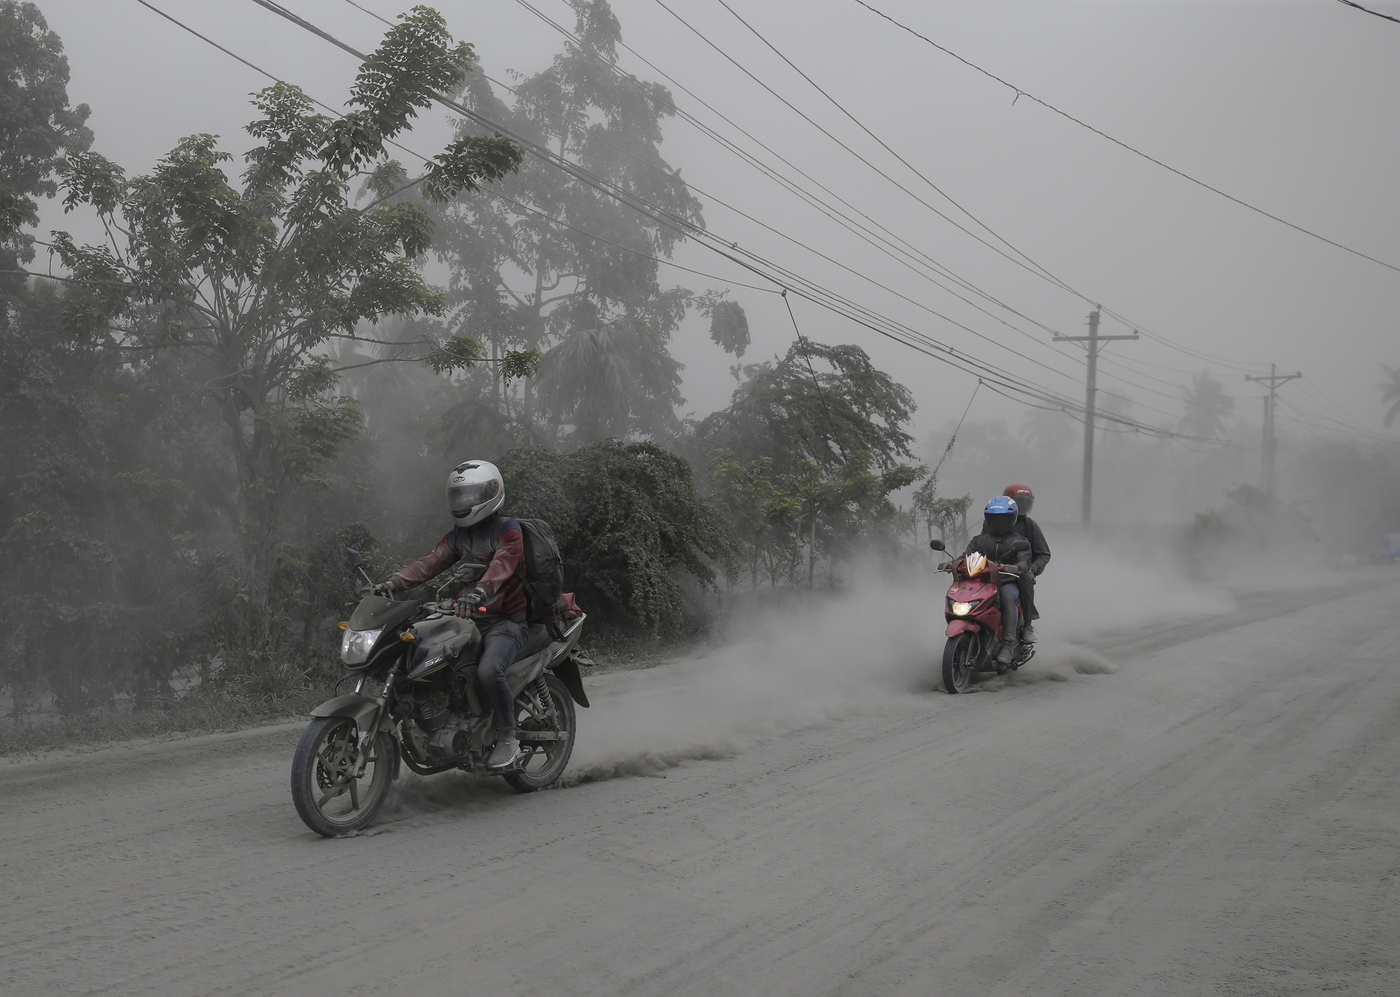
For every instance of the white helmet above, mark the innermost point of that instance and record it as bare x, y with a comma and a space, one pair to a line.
475, 489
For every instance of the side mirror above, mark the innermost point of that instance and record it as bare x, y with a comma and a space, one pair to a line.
937, 545
355, 558
467, 571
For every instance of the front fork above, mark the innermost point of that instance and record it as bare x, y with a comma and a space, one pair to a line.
369, 730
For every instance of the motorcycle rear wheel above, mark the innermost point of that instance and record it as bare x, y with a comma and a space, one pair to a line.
960, 662
328, 797
546, 760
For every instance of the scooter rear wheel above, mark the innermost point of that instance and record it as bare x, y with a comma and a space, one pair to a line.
960, 661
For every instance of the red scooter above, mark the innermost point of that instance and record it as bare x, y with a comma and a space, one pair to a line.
973, 611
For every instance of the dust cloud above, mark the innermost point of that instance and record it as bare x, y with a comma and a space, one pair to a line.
876, 646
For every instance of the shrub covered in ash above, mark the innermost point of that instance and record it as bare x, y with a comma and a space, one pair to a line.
628, 522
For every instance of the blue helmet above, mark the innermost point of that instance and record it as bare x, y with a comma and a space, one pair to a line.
1002, 505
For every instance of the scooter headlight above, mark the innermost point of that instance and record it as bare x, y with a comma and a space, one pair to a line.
962, 608
356, 644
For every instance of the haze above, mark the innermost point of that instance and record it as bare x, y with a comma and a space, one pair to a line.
1284, 105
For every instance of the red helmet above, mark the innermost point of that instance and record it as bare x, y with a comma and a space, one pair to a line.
1022, 494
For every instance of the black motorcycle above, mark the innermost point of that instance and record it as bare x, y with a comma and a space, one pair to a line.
417, 699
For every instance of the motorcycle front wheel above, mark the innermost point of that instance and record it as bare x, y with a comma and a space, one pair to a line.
329, 798
544, 760
960, 661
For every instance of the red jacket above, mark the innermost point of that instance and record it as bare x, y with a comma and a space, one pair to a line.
495, 542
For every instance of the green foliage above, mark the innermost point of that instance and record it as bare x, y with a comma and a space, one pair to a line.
106, 480
37, 127
627, 520
252, 283
818, 403
729, 326
525, 275
945, 516
762, 512
603, 379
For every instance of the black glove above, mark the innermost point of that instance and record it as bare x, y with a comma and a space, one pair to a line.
469, 602
383, 589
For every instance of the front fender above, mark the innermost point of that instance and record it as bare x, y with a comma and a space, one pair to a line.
359, 708
956, 627
362, 710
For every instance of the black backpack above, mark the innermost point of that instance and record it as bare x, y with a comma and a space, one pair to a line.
543, 571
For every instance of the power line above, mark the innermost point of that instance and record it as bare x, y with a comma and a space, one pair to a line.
857, 155
856, 228
1118, 142
877, 241
772, 272
884, 145
1376, 13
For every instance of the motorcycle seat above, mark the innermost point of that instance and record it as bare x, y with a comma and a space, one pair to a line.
535, 641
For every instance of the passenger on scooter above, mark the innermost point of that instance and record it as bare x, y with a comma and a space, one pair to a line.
475, 490
1040, 554
1002, 545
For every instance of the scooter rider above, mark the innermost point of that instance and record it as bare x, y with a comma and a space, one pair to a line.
1002, 545
1040, 553
475, 491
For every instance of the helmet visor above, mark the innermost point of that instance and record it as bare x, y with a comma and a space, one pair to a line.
1000, 522
463, 498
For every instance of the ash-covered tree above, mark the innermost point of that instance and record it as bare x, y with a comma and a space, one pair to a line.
1390, 395
762, 511
830, 426
1208, 408
38, 128
548, 261
628, 522
819, 403
254, 279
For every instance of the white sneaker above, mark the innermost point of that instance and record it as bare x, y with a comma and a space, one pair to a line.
1028, 633
505, 754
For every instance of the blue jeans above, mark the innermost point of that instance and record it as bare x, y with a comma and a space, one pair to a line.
501, 642
1010, 615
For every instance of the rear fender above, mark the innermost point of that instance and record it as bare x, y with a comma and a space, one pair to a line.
568, 673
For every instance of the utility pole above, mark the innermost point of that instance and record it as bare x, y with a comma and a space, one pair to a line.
1090, 391
1273, 380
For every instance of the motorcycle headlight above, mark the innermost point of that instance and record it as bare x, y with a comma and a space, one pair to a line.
356, 644
962, 608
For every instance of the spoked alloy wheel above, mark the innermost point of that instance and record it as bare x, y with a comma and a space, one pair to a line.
960, 661
544, 761
328, 797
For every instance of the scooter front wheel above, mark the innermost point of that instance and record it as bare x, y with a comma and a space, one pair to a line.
960, 661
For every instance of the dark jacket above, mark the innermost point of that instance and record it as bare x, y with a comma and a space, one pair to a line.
1040, 550
496, 542
1010, 549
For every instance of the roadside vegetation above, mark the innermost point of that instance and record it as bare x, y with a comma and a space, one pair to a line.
250, 370
251, 373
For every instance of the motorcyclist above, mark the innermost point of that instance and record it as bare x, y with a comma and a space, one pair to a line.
1001, 544
1040, 553
475, 491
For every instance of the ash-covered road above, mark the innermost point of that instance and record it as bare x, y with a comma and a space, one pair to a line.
1219, 814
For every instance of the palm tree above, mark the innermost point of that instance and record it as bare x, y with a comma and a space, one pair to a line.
1391, 394
1207, 405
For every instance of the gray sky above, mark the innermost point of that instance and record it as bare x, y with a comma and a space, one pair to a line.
1286, 105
